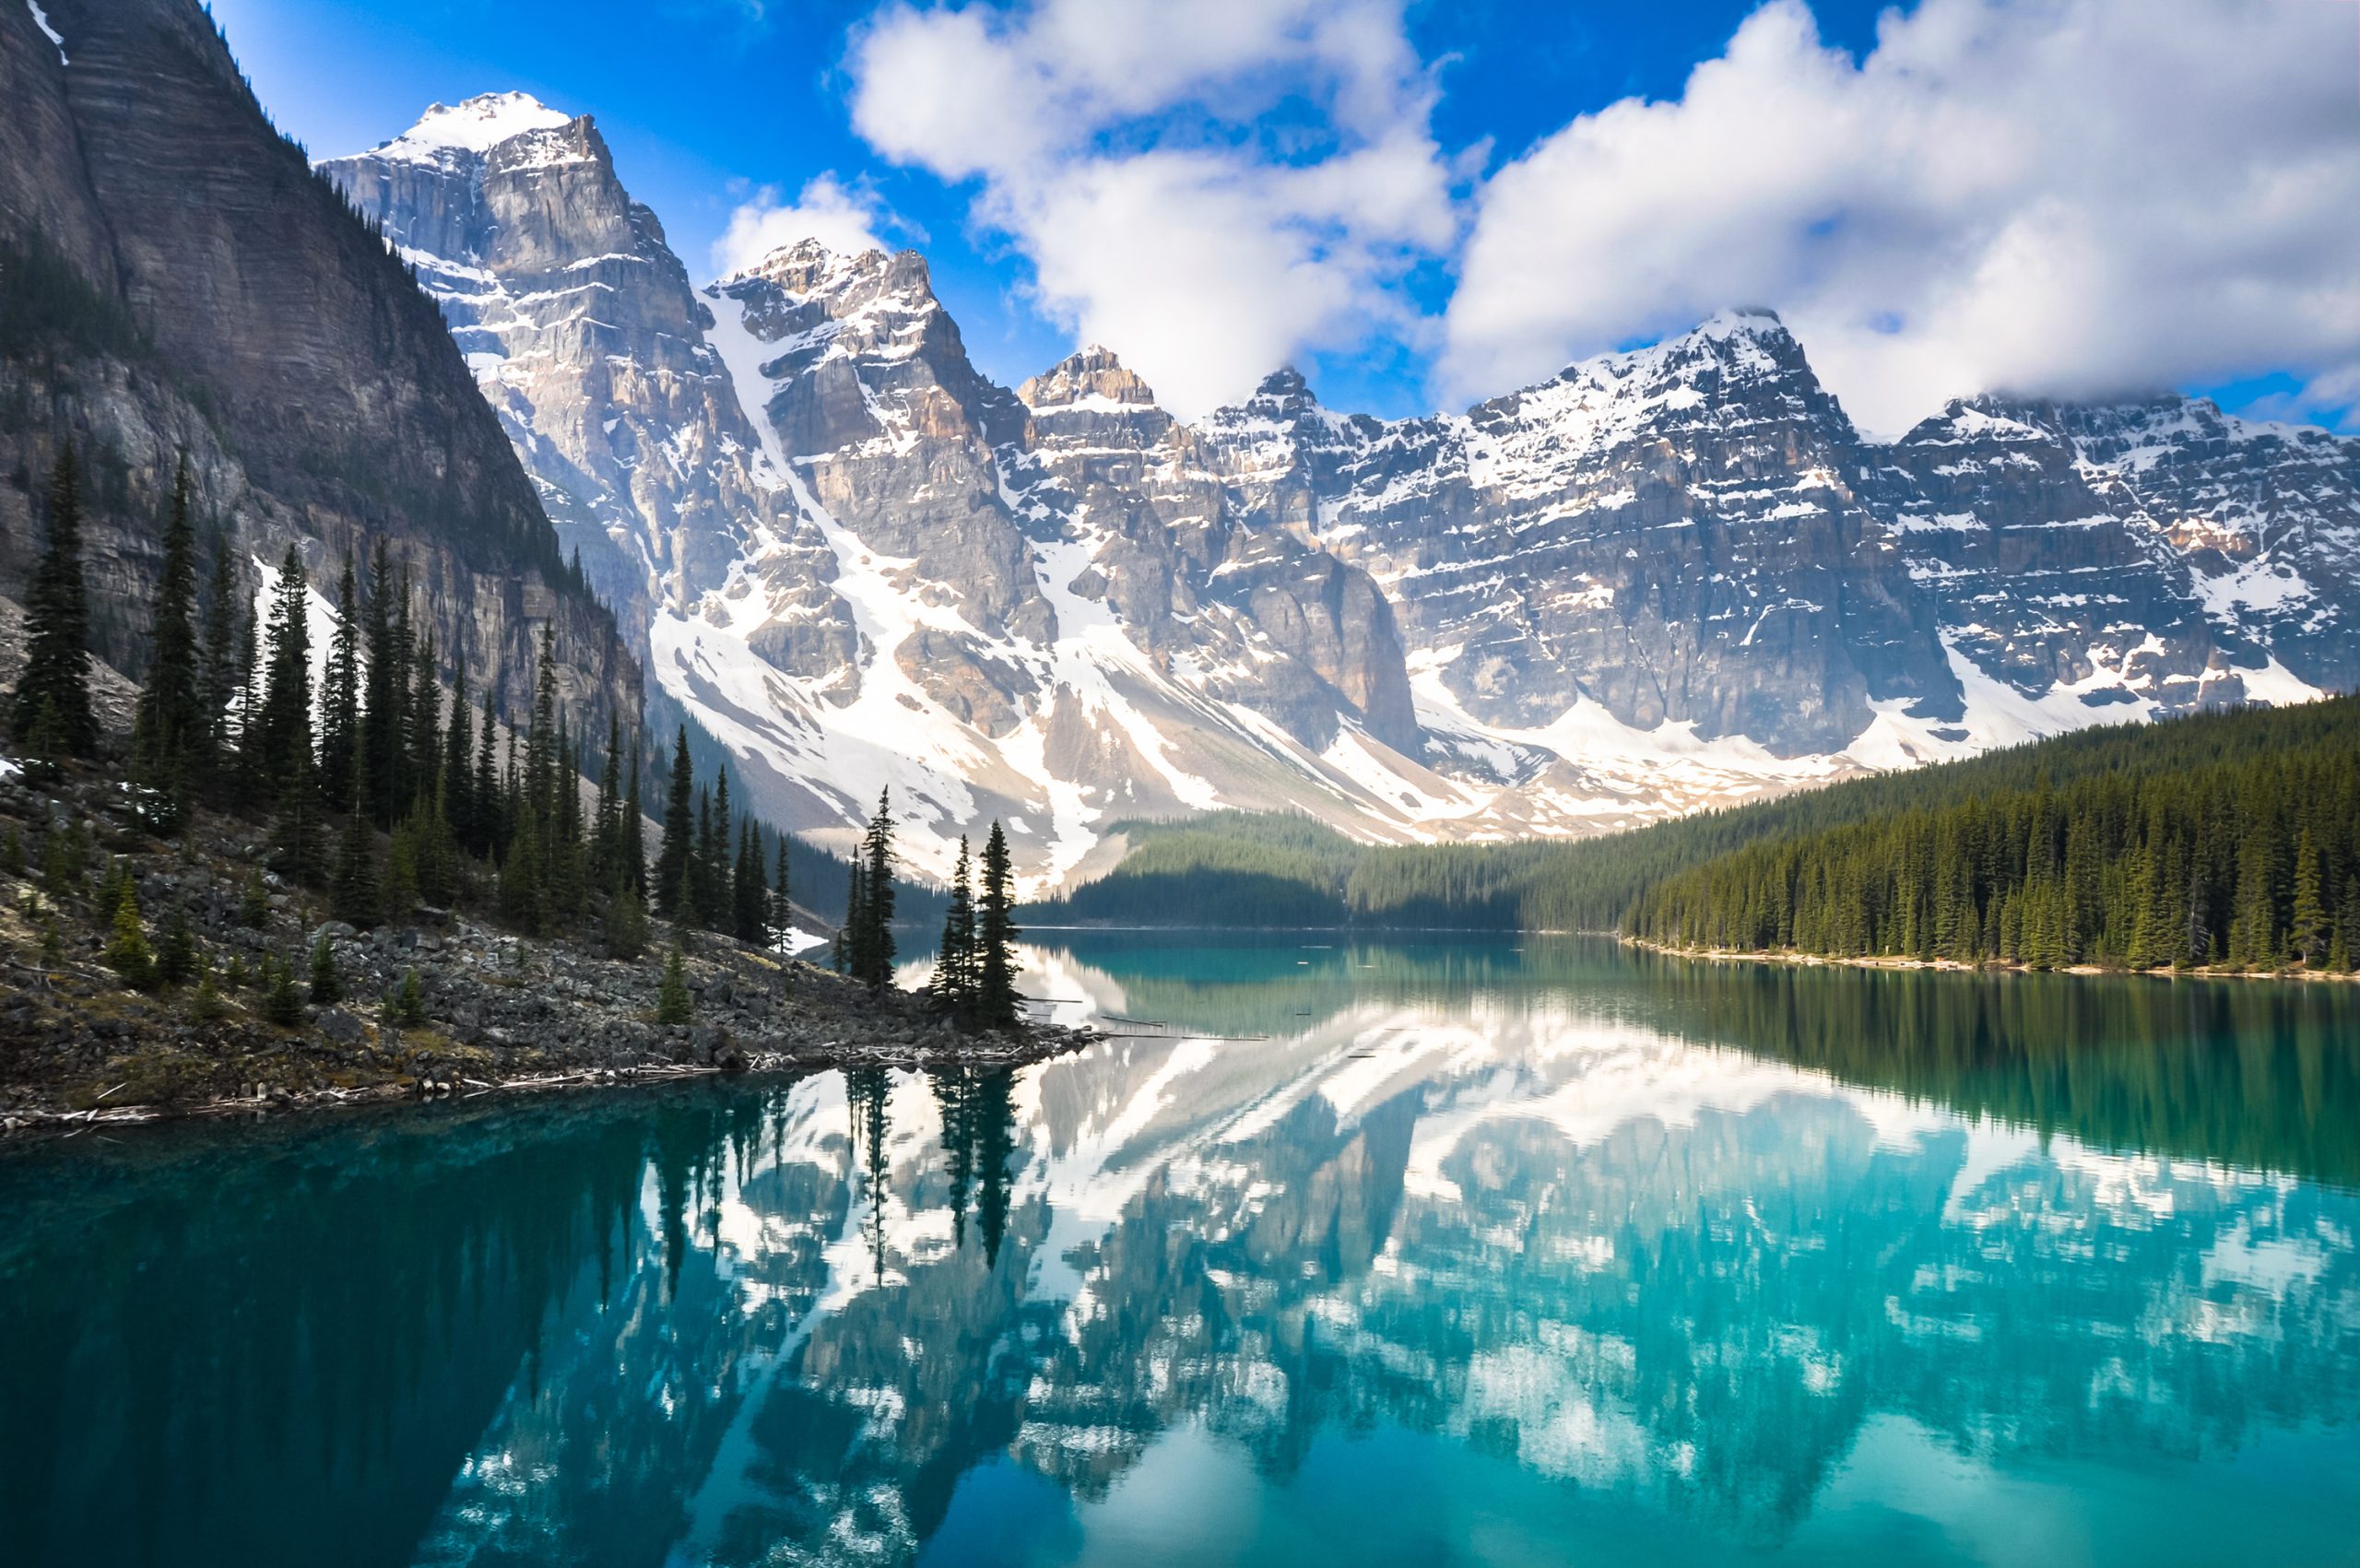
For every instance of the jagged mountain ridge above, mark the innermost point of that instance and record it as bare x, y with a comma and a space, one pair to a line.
225, 303
1663, 579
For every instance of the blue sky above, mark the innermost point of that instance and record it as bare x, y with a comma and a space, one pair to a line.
1422, 204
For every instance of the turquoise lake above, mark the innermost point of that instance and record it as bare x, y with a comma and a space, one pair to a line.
1339, 1252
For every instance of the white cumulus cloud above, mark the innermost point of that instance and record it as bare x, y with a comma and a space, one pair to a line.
839, 217
1208, 186
2073, 197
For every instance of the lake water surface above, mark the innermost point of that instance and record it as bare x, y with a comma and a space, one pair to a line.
1351, 1253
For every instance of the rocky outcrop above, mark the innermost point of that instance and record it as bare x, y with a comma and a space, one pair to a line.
225, 302
1192, 579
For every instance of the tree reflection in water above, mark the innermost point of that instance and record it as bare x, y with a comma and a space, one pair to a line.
1686, 1247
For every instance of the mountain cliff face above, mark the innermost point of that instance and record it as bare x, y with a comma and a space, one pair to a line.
1663, 579
855, 559
585, 337
221, 299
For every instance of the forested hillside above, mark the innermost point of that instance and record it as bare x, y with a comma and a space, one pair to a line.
1232, 869
2249, 863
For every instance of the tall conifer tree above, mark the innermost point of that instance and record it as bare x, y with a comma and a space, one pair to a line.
425, 714
678, 846
281, 738
340, 703
458, 744
606, 826
53, 712
781, 903
634, 836
168, 737
380, 736
220, 678
955, 970
873, 935
996, 937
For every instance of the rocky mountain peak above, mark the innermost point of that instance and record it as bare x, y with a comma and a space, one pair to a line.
808, 269
473, 126
1089, 375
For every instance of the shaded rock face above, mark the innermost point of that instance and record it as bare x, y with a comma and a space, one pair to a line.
1053, 587
1694, 533
1257, 615
267, 333
1675, 534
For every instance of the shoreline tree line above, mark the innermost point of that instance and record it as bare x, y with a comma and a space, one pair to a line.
381, 796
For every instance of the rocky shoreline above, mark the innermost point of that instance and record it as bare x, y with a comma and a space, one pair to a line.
495, 1011
1732, 955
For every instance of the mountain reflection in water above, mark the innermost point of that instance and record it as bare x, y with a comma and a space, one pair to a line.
1476, 1253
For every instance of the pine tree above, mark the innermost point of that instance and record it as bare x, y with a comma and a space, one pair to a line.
844, 950
380, 736
52, 714
872, 939
167, 735
458, 744
242, 764
782, 931
567, 887
353, 892
540, 735
522, 894
955, 975
398, 787
673, 1004
176, 955
715, 911
281, 1003
128, 953
606, 822
410, 866
221, 679
2310, 930
626, 924
297, 836
205, 1005
634, 870
281, 737
340, 703
327, 982
751, 889
483, 794
406, 1007
996, 999
254, 903
424, 710
680, 836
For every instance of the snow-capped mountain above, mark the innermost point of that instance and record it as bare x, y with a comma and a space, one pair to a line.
585, 334
1662, 580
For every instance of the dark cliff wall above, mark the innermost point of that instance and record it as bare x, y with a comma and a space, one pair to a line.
266, 331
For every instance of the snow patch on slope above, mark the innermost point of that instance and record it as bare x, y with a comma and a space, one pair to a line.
41, 20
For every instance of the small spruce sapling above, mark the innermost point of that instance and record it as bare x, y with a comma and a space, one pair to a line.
176, 956
254, 903
327, 985
205, 1005
405, 1003
281, 1003
672, 1001
128, 953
